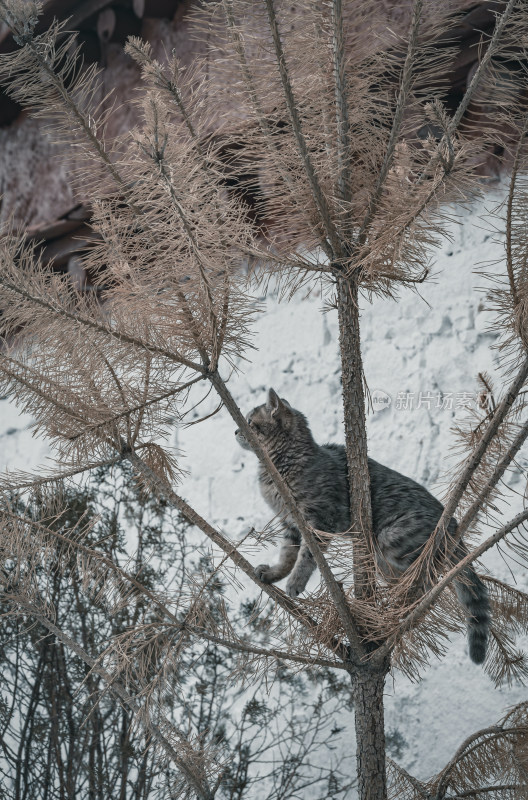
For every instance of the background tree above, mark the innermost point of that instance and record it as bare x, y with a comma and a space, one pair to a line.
357, 165
63, 734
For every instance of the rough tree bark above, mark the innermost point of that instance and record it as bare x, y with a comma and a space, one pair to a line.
369, 679
368, 684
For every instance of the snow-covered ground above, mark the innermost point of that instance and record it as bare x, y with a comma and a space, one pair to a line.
423, 353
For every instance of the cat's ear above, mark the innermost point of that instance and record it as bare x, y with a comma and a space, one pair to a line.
275, 405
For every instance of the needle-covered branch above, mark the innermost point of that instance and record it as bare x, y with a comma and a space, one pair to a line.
432, 595
435, 178
484, 495
319, 634
38, 74
304, 154
494, 44
405, 83
100, 561
341, 102
335, 590
264, 125
438, 539
491, 759
90, 322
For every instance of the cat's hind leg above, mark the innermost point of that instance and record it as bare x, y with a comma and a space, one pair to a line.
270, 573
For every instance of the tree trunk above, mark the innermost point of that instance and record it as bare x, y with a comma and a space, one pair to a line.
356, 434
368, 686
368, 681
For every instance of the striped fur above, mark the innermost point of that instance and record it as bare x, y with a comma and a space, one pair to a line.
404, 514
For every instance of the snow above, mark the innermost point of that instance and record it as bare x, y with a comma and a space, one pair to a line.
428, 348
18, 448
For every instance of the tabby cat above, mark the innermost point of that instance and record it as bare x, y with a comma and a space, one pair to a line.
404, 514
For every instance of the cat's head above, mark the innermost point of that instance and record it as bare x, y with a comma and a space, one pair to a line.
275, 422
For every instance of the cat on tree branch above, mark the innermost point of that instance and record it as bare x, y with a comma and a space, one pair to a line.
350, 197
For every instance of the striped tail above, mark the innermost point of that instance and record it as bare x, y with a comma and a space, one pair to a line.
474, 599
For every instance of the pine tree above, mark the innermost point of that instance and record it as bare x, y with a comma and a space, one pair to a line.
354, 160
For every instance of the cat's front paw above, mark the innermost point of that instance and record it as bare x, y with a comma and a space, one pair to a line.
294, 588
265, 573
